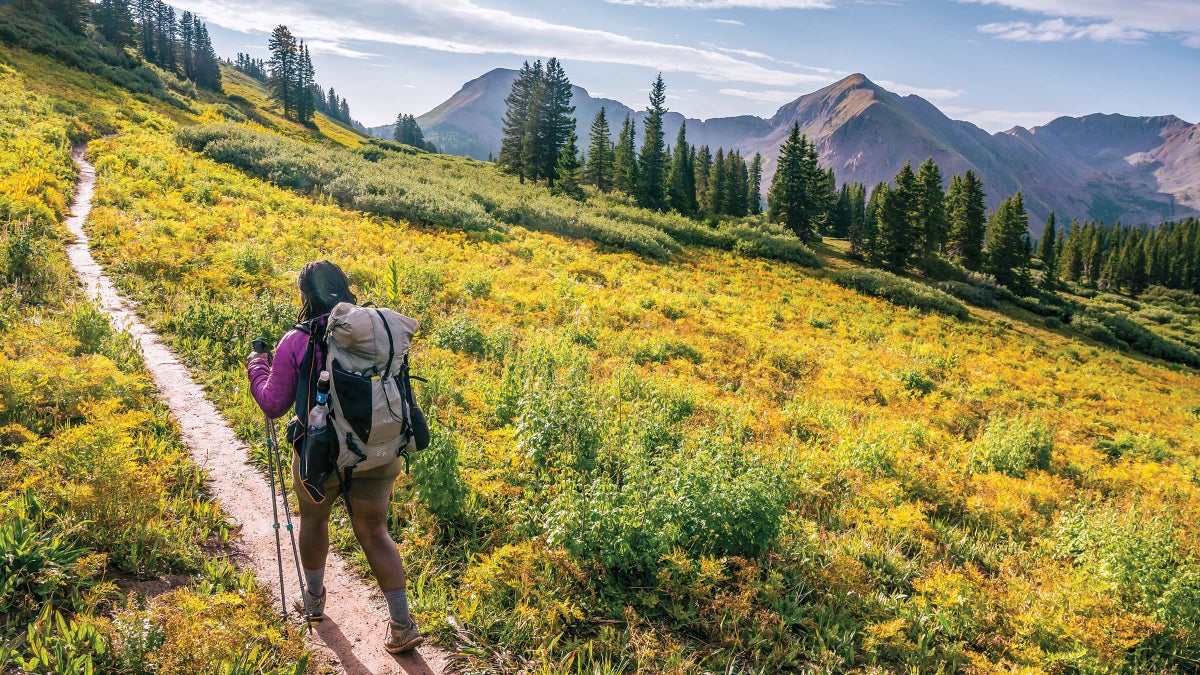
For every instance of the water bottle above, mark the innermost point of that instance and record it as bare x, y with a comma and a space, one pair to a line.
320, 411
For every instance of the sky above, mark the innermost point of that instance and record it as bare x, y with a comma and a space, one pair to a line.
996, 63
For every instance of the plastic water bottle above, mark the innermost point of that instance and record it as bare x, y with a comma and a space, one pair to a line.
320, 411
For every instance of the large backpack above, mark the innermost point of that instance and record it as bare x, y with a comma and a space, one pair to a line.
373, 414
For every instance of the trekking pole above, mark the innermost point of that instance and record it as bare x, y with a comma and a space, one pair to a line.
287, 514
260, 346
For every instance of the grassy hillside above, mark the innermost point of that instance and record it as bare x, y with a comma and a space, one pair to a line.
111, 556
698, 460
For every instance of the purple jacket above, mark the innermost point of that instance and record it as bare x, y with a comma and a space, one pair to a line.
274, 386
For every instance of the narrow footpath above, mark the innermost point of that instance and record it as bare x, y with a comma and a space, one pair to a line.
353, 631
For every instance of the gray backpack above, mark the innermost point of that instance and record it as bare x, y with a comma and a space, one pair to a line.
373, 412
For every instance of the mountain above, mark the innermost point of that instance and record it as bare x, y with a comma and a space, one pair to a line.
1111, 167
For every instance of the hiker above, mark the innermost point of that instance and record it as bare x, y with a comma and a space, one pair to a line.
274, 385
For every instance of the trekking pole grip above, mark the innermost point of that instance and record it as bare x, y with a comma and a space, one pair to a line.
260, 345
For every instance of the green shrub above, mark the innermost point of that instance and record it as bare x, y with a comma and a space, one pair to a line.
1141, 446
462, 334
980, 296
1012, 446
888, 286
1143, 340
436, 476
666, 349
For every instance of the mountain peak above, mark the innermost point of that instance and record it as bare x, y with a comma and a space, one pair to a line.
855, 80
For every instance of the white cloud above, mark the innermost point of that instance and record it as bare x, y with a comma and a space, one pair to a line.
768, 96
462, 26
1100, 20
1000, 120
730, 4
1055, 30
729, 22
930, 93
326, 47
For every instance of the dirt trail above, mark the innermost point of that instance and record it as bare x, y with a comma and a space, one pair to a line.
353, 630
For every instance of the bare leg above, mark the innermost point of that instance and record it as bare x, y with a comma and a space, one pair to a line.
314, 533
370, 528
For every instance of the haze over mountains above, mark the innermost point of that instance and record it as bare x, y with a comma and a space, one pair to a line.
1110, 167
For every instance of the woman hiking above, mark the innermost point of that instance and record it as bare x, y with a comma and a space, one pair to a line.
274, 385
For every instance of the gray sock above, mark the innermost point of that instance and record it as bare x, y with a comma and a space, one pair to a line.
397, 601
315, 581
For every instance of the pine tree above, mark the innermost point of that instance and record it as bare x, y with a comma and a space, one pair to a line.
701, 169
408, 131
144, 9
164, 37
599, 171
873, 215
930, 208
303, 86
788, 200
754, 190
568, 169
208, 66
516, 116
652, 169
114, 22
967, 216
840, 213
1005, 253
187, 45
737, 185
559, 123
716, 185
344, 112
283, 64
1048, 253
681, 182
899, 237
72, 14
625, 166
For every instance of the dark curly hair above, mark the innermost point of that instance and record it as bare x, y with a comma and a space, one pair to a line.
322, 285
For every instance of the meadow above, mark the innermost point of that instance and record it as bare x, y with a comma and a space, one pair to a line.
703, 460
112, 558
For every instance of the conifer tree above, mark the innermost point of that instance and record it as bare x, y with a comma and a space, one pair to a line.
1048, 253
283, 64
754, 190
568, 169
652, 169
701, 168
408, 131
967, 215
599, 171
789, 198
873, 215
187, 46
304, 84
114, 22
625, 166
899, 237
165, 31
146, 16
840, 213
716, 184
1005, 254
737, 184
344, 112
681, 182
516, 116
548, 122
72, 14
930, 208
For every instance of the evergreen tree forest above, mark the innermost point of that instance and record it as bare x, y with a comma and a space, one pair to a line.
115, 31
290, 76
409, 132
914, 223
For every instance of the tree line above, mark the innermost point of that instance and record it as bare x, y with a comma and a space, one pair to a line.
291, 79
178, 44
407, 131
1124, 258
539, 143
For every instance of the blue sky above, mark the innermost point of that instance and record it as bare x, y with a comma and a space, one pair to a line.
996, 63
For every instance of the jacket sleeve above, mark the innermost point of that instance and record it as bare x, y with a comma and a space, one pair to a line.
274, 387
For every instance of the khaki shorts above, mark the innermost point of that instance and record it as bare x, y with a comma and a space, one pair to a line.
370, 485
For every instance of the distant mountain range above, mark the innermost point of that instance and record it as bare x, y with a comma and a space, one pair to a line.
1110, 167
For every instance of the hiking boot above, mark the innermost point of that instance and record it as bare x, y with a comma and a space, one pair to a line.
402, 636
311, 607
